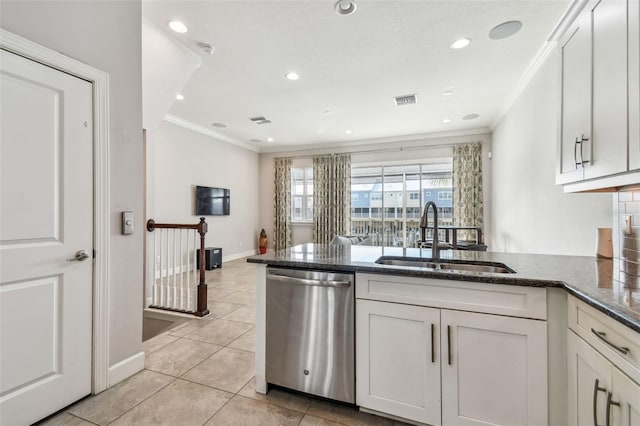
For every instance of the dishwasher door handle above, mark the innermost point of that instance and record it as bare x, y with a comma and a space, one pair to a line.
305, 281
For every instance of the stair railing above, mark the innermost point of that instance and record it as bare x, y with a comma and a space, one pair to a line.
175, 265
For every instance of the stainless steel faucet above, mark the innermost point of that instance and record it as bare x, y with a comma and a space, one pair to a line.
424, 224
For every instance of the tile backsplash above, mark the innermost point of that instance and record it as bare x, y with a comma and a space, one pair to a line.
627, 244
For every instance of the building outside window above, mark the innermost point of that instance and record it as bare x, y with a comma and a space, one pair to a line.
302, 194
396, 199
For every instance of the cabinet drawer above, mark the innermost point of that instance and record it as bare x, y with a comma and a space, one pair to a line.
517, 301
614, 340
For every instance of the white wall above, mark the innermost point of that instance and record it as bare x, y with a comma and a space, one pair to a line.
368, 154
107, 36
178, 159
530, 213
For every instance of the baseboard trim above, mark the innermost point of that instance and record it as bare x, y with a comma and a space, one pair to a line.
125, 369
236, 256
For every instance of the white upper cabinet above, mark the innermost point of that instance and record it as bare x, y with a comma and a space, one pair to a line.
634, 84
575, 119
599, 98
608, 150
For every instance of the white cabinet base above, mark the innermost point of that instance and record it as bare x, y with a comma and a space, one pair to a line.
493, 370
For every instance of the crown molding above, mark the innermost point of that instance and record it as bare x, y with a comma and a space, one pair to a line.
208, 132
360, 142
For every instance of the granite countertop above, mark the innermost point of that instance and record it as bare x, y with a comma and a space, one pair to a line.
590, 279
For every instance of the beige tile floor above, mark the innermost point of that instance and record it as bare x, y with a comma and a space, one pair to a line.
202, 373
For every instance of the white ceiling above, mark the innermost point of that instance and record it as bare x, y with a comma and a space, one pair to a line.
351, 66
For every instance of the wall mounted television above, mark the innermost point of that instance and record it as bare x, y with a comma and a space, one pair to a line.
212, 201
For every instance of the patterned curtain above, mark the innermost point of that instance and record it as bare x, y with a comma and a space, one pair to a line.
467, 187
331, 196
282, 204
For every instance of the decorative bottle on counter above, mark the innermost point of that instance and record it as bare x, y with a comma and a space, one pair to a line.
262, 242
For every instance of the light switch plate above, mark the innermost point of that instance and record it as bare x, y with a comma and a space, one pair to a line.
127, 223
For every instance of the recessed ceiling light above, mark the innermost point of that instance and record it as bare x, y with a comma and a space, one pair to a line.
207, 48
292, 75
504, 30
269, 139
345, 7
178, 27
446, 120
460, 43
179, 97
447, 93
348, 132
470, 116
219, 125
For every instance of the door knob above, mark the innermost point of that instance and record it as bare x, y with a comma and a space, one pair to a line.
81, 255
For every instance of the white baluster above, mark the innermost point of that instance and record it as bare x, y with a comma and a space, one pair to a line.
154, 291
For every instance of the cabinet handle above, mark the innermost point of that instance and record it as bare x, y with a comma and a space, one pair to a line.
575, 152
449, 345
603, 336
582, 140
433, 349
596, 389
610, 402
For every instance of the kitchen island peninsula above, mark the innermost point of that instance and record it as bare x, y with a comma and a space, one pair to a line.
473, 338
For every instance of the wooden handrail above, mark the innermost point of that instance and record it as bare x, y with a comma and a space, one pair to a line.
202, 228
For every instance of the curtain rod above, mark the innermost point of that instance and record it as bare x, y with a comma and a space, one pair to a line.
371, 151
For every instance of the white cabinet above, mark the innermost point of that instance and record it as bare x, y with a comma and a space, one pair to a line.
439, 366
494, 370
575, 102
634, 84
594, 94
603, 360
599, 393
589, 378
398, 360
624, 402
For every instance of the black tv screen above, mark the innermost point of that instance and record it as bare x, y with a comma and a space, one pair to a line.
212, 201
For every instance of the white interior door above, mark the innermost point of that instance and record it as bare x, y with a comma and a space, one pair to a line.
46, 217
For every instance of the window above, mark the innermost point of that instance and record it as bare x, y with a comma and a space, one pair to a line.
444, 195
397, 195
302, 194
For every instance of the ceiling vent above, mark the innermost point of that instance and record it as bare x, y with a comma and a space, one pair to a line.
260, 120
406, 99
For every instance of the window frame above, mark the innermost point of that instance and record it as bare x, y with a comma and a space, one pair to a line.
306, 212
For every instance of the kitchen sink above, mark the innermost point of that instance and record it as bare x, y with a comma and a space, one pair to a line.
449, 265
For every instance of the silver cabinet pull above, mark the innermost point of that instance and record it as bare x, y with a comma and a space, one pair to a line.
81, 256
596, 389
433, 349
581, 142
610, 402
575, 153
603, 336
449, 345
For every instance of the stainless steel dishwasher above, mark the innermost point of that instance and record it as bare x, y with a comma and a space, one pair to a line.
310, 332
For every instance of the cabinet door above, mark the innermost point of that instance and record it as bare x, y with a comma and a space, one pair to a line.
634, 84
608, 147
397, 360
626, 393
494, 370
575, 99
589, 380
